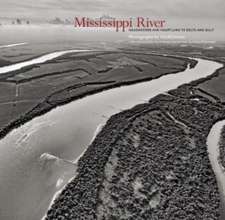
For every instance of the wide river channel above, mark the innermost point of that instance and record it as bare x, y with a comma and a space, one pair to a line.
36, 159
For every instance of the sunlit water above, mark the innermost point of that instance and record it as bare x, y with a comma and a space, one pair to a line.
12, 45
39, 60
29, 180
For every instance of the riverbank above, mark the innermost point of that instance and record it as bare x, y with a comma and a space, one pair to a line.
26, 104
64, 132
111, 184
59, 128
148, 162
222, 148
123, 173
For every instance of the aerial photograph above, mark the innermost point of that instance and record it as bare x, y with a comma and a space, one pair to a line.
112, 110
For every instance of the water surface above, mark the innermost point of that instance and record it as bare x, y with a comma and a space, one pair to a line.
213, 140
29, 180
39, 60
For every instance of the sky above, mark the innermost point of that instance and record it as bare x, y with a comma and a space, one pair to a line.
46, 9
177, 13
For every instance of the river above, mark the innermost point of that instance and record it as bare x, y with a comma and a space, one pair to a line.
12, 45
213, 150
38, 60
36, 158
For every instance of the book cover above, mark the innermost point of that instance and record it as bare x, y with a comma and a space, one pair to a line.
112, 110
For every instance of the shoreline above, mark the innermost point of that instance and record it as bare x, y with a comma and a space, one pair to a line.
112, 120
92, 164
103, 88
221, 143
45, 106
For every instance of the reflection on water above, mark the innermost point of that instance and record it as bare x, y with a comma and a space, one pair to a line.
26, 187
